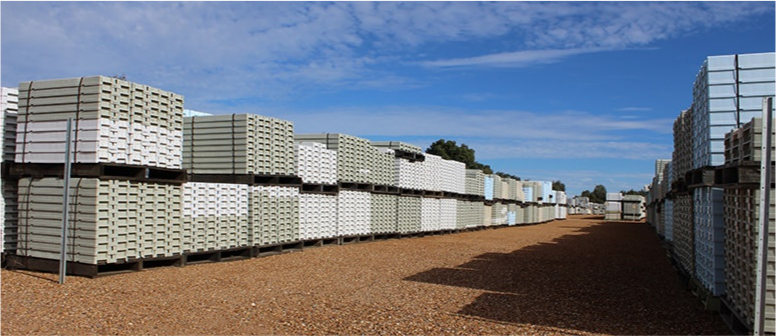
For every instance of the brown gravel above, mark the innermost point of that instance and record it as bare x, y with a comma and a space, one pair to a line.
579, 276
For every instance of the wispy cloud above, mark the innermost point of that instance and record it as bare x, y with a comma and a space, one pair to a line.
512, 59
271, 50
634, 109
571, 149
444, 121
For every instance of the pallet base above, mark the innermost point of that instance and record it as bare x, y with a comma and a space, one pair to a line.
313, 243
11, 261
736, 324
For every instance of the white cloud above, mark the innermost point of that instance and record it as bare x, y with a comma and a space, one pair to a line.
571, 149
512, 59
634, 109
271, 49
440, 121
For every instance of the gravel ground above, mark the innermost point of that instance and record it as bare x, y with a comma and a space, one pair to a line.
580, 276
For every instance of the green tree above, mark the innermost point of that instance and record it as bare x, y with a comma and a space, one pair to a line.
634, 192
506, 175
449, 150
558, 185
597, 196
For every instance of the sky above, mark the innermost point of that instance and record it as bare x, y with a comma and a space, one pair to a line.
582, 92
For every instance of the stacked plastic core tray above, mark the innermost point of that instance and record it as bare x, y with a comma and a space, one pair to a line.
239, 144
410, 214
448, 211
430, 220
8, 116
215, 216
384, 210
398, 145
110, 220
115, 121
355, 156
742, 231
317, 165
443, 175
354, 213
470, 214
317, 216
274, 215
475, 182
684, 238
408, 175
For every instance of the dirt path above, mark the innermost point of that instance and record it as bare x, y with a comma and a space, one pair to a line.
578, 276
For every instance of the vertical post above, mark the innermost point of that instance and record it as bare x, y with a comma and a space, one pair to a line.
65, 203
765, 200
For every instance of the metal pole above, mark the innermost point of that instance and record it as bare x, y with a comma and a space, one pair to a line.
765, 200
65, 203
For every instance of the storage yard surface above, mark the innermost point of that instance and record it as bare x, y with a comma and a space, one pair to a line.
578, 276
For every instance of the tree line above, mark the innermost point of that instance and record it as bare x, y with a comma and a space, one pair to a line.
450, 150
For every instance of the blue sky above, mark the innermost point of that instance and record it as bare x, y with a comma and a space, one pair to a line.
584, 92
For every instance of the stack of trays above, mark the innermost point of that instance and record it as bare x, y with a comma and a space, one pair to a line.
727, 92
452, 176
505, 189
398, 145
430, 220
110, 220
709, 230
431, 177
317, 216
487, 215
529, 190
384, 167
515, 190
354, 213
684, 239
410, 214
2, 222
519, 214
469, 214
742, 215
239, 144
475, 182
448, 210
317, 165
384, 210
8, 115
489, 186
500, 216
512, 214
408, 175
530, 214
668, 220
215, 216
273, 215
497, 187
115, 122
355, 156
681, 158
9, 103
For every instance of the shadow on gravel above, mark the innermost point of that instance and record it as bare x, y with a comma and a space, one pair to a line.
611, 278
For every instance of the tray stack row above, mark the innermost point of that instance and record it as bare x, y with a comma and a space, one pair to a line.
384, 213
317, 164
215, 216
239, 144
110, 220
356, 157
273, 214
317, 216
115, 121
